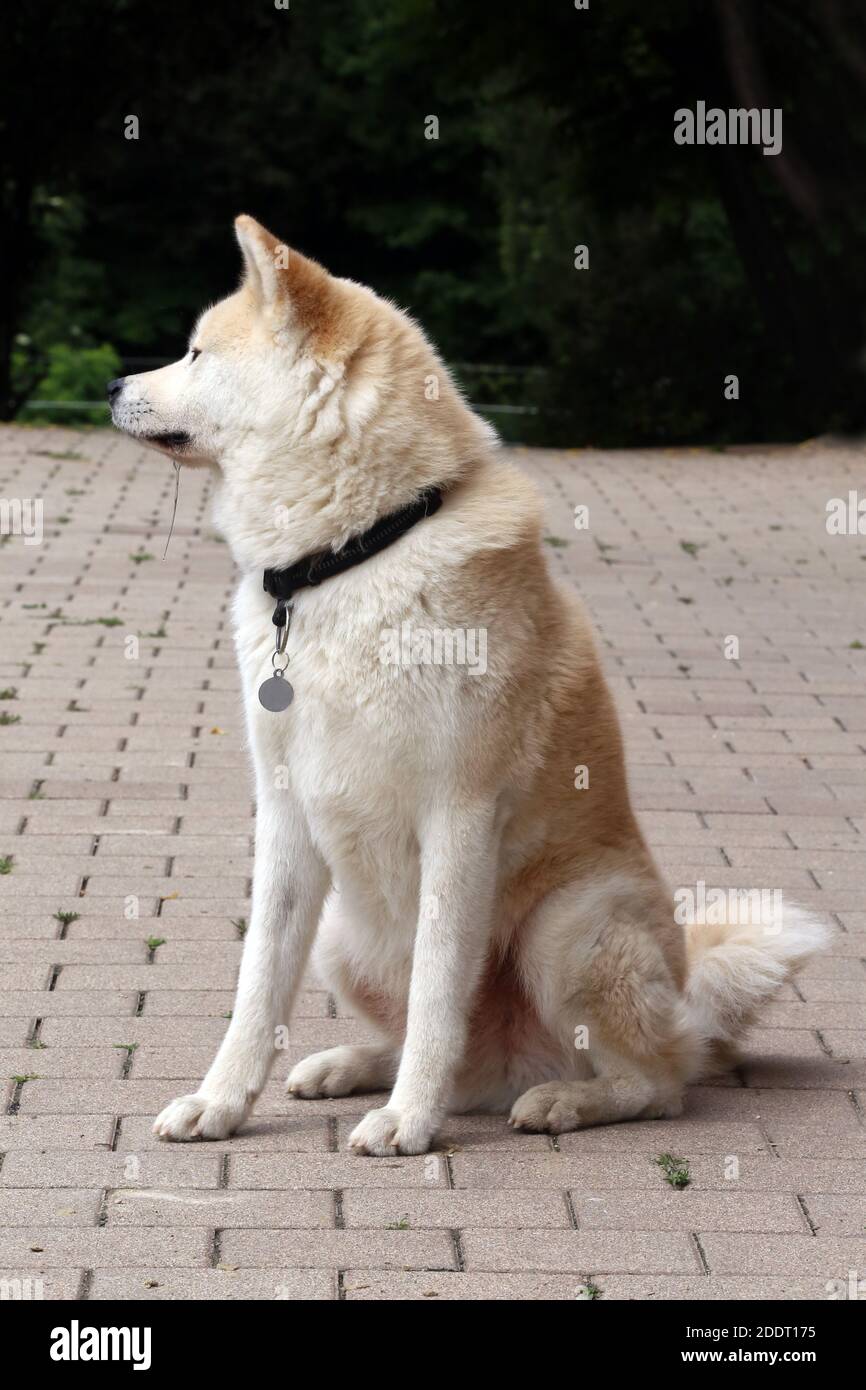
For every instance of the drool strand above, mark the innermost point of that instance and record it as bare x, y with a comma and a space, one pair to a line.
176, 465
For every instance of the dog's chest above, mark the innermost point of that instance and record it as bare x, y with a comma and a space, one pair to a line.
358, 744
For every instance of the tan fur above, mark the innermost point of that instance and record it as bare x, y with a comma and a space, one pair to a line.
553, 977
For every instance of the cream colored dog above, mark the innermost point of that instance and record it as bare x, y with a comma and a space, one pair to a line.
418, 818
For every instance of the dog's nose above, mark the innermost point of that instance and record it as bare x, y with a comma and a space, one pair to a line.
114, 388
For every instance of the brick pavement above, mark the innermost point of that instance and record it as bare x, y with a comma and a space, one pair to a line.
126, 817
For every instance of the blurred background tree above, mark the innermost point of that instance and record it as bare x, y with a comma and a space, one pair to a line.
555, 130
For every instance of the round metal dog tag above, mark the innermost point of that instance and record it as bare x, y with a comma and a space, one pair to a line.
276, 693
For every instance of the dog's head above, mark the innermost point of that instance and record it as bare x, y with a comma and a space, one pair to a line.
323, 405
255, 361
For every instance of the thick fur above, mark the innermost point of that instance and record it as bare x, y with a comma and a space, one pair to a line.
507, 935
735, 969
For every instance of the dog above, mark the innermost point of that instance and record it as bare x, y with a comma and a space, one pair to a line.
419, 828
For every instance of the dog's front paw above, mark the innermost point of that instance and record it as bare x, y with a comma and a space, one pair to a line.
197, 1117
385, 1132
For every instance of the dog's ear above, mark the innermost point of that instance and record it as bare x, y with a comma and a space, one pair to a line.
282, 280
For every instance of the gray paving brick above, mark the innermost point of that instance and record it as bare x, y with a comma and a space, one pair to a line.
336, 1170
748, 772
65, 1206
106, 1030
207, 1285
832, 1214
70, 1132
742, 1288
581, 1252
829, 1257
47, 1062
450, 1209
339, 1249
178, 1166
266, 1134
49, 1247
48, 1285
68, 1003
137, 1207
686, 1210
372, 1285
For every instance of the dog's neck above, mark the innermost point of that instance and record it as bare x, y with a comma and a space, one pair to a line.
318, 566
275, 512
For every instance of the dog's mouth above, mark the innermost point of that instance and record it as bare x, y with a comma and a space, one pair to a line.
175, 441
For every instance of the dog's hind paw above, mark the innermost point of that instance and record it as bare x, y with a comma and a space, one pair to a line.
550, 1108
341, 1070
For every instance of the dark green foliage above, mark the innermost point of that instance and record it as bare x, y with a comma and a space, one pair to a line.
555, 130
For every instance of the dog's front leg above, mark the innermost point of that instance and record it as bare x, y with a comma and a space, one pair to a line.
289, 887
458, 875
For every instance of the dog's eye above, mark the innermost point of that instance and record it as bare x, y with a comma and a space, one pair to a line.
194, 353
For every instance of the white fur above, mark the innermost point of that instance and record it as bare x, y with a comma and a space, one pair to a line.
731, 979
374, 794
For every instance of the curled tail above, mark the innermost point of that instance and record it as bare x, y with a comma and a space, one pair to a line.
735, 968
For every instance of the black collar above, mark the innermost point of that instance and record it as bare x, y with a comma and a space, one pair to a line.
324, 564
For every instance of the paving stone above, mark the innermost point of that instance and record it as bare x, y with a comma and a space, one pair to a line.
582, 1251
686, 1210
829, 1257
744, 774
791, 1140
266, 1134
110, 1029
743, 1288
65, 1206
551, 1171
449, 1209
38, 1285
206, 1285
35, 1133
137, 1207
818, 1074
48, 952
176, 1166
24, 977
69, 1003
834, 1215
197, 929
787, 1044
15, 1032
845, 1042
339, 1249
372, 1285
96, 1097
45, 1247
143, 976
653, 1137
49, 1062
336, 1171
764, 1106
218, 1003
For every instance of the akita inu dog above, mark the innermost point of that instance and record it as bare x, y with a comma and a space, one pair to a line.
418, 818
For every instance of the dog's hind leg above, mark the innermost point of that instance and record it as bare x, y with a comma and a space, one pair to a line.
340, 1071
555, 1107
627, 1011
